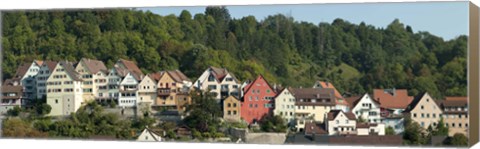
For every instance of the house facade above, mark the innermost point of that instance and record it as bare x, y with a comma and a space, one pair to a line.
46, 69
93, 78
312, 104
340, 102
12, 96
366, 108
64, 89
455, 114
257, 100
231, 109
172, 90
114, 78
341, 123
285, 105
219, 82
147, 93
424, 110
128, 91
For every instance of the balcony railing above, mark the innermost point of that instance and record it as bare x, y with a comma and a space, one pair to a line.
163, 91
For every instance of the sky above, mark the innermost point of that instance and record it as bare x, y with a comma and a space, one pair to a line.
445, 19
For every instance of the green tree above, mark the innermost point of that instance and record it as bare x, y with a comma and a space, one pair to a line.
275, 123
389, 131
204, 112
458, 140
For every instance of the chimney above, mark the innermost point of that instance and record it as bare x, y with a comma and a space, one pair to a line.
275, 86
328, 84
393, 91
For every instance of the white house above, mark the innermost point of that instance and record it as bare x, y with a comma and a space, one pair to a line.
64, 89
113, 83
366, 108
285, 105
220, 82
93, 78
128, 91
46, 69
364, 129
148, 135
340, 123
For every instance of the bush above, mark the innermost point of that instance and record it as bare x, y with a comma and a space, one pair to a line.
43, 109
218, 135
15, 111
206, 135
112, 104
197, 134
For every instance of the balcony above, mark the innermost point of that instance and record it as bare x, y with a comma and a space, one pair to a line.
163, 92
10, 102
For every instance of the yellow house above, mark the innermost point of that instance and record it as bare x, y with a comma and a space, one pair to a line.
231, 109
172, 90
312, 104
93, 79
455, 114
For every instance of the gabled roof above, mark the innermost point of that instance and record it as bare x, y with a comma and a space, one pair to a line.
334, 113
219, 73
178, 76
155, 76
22, 70
279, 90
12, 82
353, 101
38, 62
392, 98
70, 70
314, 93
247, 88
455, 102
233, 97
131, 67
152, 133
50, 64
93, 65
415, 101
330, 85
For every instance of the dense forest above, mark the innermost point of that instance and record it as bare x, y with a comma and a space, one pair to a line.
355, 57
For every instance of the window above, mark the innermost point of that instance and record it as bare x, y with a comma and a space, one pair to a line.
337, 121
346, 121
423, 115
229, 105
453, 125
56, 100
212, 87
234, 112
434, 115
460, 125
422, 124
250, 105
235, 86
250, 98
256, 106
234, 104
229, 112
421, 107
268, 91
229, 79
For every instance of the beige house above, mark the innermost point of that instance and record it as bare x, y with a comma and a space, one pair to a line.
231, 109
455, 114
341, 123
147, 93
340, 102
172, 90
285, 105
424, 110
64, 89
312, 104
93, 79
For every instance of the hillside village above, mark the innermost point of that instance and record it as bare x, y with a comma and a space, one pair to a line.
314, 114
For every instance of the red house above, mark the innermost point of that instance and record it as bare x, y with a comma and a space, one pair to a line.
257, 100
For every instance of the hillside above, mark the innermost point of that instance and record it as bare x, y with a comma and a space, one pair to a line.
355, 57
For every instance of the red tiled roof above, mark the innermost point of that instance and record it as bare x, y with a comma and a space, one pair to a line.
12, 82
70, 70
395, 99
313, 128
352, 101
155, 76
11, 89
50, 64
131, 67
